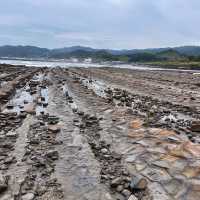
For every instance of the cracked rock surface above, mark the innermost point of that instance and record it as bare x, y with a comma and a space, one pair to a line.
99, 134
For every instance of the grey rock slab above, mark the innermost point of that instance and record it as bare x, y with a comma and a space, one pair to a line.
7, 197
162, 164
156, 150
131, 158
107, 196
155, 174
28, 196
157, 192
173, 186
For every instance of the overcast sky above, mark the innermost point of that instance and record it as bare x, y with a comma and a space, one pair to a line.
116, 24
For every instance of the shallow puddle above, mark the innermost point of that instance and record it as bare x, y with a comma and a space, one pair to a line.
21, 98
24, 98
97, 86
67, 94
43, 95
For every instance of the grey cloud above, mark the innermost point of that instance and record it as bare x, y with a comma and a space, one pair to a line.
100, 23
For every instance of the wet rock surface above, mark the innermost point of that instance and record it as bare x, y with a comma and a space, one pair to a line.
88, 134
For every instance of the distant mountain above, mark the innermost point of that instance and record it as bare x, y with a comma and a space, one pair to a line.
189, 50
23, 51
136, 51
71, 49
170, 54
83, 52
143, 57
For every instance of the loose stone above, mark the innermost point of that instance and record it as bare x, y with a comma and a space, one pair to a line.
28, 196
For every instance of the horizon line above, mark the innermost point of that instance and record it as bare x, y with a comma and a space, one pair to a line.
122, 49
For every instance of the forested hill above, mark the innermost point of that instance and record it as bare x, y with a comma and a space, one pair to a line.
135, 55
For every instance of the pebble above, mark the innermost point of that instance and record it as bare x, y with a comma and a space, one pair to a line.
104, 151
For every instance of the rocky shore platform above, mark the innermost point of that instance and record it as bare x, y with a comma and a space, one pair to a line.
99, 134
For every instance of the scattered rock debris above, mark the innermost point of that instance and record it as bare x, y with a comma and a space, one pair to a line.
145, 147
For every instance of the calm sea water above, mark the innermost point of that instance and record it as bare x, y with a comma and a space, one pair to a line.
66, 64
